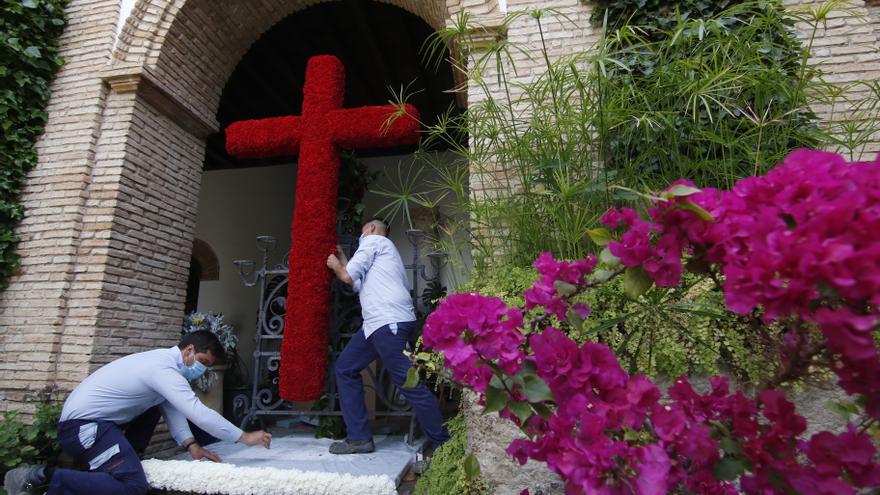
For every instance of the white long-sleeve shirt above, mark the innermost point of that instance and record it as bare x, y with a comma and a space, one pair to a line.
123, 389
380, 279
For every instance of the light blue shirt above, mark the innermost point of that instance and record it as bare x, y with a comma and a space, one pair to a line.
380, 279
123, 389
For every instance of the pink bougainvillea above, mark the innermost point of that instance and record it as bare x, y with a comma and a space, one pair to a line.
800, 243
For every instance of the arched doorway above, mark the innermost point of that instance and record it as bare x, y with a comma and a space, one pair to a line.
379, 44
130, 115
167, 113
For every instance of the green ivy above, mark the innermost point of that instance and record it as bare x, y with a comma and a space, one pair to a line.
29, 31
660, 13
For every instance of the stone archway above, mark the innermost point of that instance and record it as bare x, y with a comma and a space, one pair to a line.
187, 56
111, 207
186, 64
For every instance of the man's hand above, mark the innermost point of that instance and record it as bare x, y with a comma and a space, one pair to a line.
337, 262
197, 452
343, 259
333, 263
256, 438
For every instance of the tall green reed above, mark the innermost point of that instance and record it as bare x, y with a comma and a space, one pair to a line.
711, 100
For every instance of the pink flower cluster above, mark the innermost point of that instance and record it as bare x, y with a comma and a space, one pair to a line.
800, 241
609, 433
474, 331
545, 292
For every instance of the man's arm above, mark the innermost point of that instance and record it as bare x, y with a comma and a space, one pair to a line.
352, 271
181, 433
337, 262
182, 404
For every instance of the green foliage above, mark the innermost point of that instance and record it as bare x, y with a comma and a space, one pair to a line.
452, 469
660, 13
328, 426
724, 94
23, 444
667, 332
507, 282
712, 92
29, 31
354, 182
661, 333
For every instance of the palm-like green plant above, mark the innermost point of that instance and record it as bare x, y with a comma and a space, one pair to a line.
708, 99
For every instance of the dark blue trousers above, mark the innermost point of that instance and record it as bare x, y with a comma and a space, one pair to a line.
111, 456
357, 355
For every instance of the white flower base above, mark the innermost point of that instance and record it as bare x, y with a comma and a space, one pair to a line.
226, 479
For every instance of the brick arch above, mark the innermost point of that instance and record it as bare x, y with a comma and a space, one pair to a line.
204, 254
191, 47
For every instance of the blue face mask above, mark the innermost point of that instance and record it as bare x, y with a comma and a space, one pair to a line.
196, 370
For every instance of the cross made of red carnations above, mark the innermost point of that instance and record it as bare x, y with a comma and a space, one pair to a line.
317, 136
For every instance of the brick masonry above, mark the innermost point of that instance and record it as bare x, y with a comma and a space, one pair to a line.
111, 206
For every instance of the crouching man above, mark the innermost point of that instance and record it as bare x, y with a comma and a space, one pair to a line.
108, 419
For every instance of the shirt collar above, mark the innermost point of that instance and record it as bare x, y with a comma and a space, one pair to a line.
178, 357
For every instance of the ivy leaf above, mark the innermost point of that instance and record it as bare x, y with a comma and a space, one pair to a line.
412, 378
32, 52
636, 282
536, 390
575, 319
29, 4
471, 466
496, 382
496, 399
600, 236
844, 410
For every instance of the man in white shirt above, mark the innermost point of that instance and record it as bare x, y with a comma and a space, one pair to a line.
377, 273
109, 418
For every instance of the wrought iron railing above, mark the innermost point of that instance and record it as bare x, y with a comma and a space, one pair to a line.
264, 401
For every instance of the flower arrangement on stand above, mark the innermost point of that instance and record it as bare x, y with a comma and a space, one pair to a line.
797, 247
214, 323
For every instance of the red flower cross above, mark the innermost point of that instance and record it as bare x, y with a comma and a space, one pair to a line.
317, 136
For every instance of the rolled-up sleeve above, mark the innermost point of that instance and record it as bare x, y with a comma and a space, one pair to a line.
362, 260
181, 404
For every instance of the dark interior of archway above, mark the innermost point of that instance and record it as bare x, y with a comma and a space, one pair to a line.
380, 46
